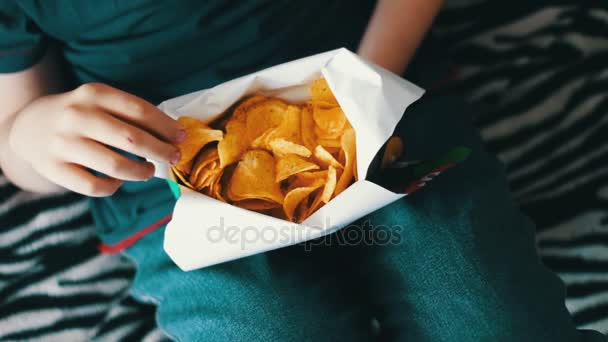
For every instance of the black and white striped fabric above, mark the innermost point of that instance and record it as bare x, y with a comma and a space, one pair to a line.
54, 285
538, 70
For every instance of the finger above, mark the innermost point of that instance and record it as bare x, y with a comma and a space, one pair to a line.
75, 178
107, 129
98, 157
133, 109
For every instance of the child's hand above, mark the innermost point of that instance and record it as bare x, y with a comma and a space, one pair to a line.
62, 135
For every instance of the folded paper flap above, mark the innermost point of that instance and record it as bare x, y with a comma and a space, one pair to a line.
339, 211
206, 104
375, 115
224, 232
221, 232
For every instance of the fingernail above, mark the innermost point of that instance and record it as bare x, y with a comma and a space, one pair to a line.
180, 136
176, 157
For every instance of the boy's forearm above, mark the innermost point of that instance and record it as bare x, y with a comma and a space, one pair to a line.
17, 170
17, 91
396, 30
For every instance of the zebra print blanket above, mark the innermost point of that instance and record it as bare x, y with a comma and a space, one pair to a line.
540, 72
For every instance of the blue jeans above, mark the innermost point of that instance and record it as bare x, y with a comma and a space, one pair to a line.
460, 264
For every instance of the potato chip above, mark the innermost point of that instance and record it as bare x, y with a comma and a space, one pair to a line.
330, 120
261, 142
208, 176
319, 91
215, 189
240, 111
204, 157
330, 185
321, 134
254, 178
198, 135
302, 209
306, 178
329, 142
297, 195
235, 141
185, 168
291, 164
392, 151
264, 115
307, 126
203, 165
181, 177
277, 212
256, 204
288, 130
325, 158
326, 194
348, 146
275, 158
232, 146
283, 147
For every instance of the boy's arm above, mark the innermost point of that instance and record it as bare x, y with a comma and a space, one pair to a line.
16, 91
49, 136
396, 30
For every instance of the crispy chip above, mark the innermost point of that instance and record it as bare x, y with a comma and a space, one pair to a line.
297, 182
235, 143
264, 115
215, 188
330, 185
198, 135
289, 129
393, 150
291, 164
329, 120
319, 91
329, 142
275, 158
321, 134
302, 209
181, 177
297, 195
348, 146
240, 112
325, 158
208, 177
253, 178
307, 125
202, 164
256, 204
185, 168
277, 212
283, 147
306, 178
327, 193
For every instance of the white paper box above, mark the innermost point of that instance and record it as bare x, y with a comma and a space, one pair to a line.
205, 231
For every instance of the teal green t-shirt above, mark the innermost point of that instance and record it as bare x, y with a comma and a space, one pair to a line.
159, 49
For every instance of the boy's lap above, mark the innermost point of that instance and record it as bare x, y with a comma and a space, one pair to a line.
464, 266
284, 295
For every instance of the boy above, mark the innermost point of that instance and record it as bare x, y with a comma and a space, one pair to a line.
78, 86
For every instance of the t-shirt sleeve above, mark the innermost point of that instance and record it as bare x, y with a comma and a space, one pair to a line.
22, 44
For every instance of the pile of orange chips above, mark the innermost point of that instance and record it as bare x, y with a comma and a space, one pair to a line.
280, 159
